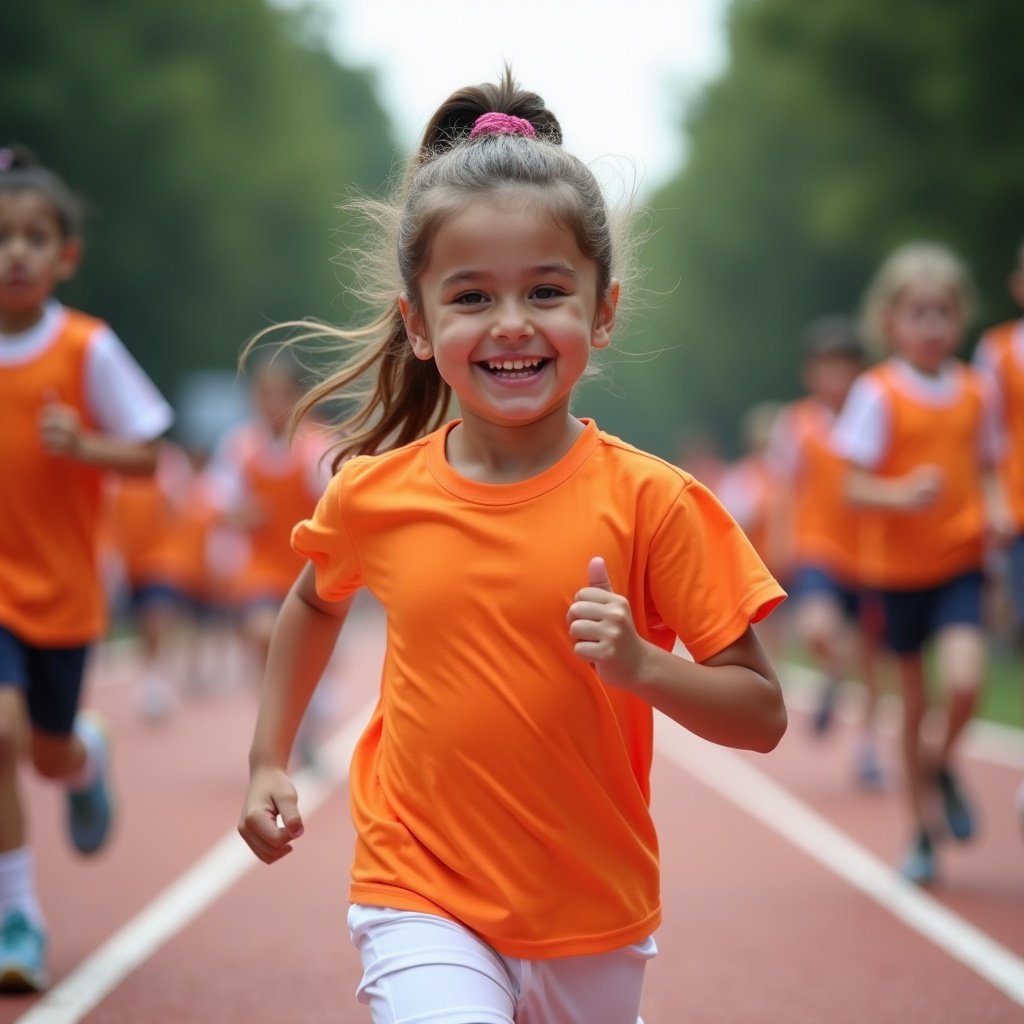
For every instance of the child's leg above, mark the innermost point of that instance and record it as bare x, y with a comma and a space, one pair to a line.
962, 656
428, 969
12, 744
600, 989
824, 634
910, 668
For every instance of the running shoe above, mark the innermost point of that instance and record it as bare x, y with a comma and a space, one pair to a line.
919, 864
821, 721
22, 955
90, 810
959, 817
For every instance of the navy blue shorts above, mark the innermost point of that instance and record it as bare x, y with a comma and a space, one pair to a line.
50, 678
1016, 561
812, 580
157, 594
913, 616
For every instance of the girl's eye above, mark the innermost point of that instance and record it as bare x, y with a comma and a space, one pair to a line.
547, 291
470, 298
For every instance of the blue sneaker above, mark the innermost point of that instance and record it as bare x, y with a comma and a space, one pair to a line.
90, 810
958, 813
919, 864
22, 955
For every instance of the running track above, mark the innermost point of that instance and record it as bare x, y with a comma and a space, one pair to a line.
780, 904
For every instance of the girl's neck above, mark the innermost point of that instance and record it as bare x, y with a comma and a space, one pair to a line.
492, 454
17, 321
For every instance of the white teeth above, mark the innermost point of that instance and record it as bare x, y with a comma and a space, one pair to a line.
513, 364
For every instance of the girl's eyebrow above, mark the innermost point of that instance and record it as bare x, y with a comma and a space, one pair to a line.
462, 276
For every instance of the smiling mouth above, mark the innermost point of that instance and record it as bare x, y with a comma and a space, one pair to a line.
514, 368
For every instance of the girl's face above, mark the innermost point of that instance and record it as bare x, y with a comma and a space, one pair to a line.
35, 256
509, 310
926, 323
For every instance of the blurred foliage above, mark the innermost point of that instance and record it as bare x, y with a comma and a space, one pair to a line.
839, 130
212, 143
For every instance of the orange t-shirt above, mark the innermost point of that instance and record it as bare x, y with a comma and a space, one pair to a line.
925, 547
500, 783
50, 589
824, 524
1002, 349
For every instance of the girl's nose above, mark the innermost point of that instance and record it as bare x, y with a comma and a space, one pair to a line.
512, 323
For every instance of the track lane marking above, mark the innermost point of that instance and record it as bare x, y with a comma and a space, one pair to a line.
216, 871
731, 776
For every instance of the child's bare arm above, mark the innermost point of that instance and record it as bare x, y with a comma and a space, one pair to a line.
63, 433
917, 489
733, 698
302, 643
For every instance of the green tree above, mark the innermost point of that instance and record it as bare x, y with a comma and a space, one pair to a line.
212, 143
838, 130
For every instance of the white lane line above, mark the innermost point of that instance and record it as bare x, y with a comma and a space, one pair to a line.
186, 898
730, 775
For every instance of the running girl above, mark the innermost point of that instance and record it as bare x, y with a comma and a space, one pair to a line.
535, 573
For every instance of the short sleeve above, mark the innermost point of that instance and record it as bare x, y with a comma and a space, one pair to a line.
123, 401
325, 540
861, 433
707, 583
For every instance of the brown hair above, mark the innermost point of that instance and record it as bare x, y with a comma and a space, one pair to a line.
20, 171
398, 397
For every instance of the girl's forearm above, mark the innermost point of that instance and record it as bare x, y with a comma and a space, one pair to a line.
729, 704
133, 458
301, 646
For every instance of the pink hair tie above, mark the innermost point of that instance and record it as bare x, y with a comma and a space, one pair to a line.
502, 124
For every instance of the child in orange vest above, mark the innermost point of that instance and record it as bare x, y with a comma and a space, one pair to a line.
73, 405
823, 532
1000, 354
922, 450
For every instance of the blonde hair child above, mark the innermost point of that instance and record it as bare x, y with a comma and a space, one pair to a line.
922, 447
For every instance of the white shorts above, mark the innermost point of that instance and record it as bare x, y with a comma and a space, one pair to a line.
423, 969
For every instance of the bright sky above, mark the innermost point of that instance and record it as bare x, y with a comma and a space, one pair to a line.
617, 73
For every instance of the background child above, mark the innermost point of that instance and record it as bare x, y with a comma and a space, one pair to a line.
73, 404
915, 430
151, 554
535, 573
264, 482
1000, 354
823, 528
749, 489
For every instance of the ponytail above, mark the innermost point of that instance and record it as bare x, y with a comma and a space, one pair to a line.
398, 398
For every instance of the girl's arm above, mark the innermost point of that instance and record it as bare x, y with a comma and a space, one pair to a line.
301, 645
64, 434
917, 489
733, 698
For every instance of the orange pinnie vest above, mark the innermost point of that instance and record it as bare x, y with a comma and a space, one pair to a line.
50, 590
926, 547
1010, 375
825, 525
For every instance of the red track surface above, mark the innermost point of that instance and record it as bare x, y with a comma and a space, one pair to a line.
755, 929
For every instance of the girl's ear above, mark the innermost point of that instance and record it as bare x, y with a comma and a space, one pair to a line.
604, 318
415, 328
70, 257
